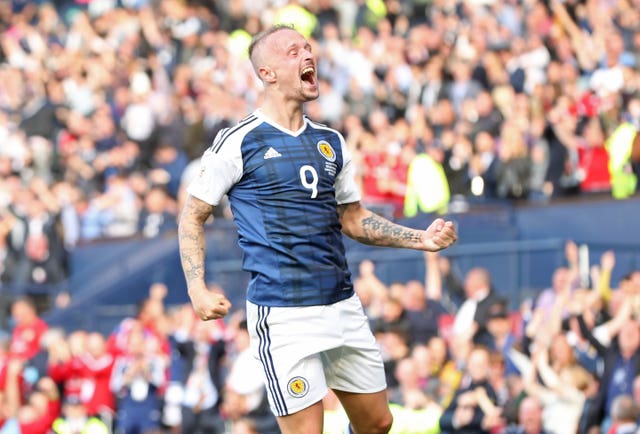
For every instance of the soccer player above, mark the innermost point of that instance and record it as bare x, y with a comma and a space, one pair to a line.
290, 183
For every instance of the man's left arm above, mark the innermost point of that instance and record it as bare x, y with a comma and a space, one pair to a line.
369, 228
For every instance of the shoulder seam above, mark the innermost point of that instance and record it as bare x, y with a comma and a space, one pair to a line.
228, 132
318, 124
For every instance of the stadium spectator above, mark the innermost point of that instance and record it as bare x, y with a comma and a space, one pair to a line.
245, 397
565, 278
413, 410
624, 415
64, 364
89, 88
427, 188
34, 413
408, 393
202, 350
514, 168
158, 215
447, 362
561, 392
394, 319
427, 381
530, 419
27, 331
139, 375
472, 316
150, 317
622, 145
593, 159
39, 257
96, 393
421, 303
621, 358
473, 408
168, 164
74, 418
499, 336
370, 289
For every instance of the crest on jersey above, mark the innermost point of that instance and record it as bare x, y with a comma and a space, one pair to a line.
298, 387
326, 150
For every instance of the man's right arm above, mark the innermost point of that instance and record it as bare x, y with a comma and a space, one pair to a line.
208, 305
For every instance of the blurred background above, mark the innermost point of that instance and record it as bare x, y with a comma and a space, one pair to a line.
517, 119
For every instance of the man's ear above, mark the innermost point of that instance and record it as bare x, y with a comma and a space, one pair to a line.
267, 74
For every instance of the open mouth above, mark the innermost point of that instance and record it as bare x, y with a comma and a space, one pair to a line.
309, 75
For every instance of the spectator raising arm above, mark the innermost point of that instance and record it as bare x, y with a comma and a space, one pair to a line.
433, 278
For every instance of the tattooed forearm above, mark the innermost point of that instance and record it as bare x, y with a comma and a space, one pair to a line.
192, 253
379, 231
191, 240
368, 228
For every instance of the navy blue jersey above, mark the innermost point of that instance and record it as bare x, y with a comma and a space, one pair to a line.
284, 188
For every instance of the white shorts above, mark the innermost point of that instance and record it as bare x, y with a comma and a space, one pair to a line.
305, 350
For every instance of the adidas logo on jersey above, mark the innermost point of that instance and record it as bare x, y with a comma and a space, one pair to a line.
271, 153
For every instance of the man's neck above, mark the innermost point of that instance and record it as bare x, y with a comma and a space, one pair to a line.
287, 114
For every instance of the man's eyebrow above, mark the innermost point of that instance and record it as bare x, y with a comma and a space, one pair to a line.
298, 44
292, 44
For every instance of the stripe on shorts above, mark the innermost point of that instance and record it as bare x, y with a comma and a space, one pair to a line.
262, 329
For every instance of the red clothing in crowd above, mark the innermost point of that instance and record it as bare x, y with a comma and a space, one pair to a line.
88, 379
117, 340
25, 339
593, 161
3, 374
69, 374
384, 179
96, 384
42, 424
587, 106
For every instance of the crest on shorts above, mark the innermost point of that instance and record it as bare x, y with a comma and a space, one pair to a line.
326, 150
298, 387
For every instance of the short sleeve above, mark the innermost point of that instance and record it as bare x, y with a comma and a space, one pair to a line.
219, 170
345, 186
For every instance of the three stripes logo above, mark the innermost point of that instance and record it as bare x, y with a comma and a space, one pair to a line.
271, 153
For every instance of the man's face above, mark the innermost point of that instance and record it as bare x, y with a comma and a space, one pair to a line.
478, 365
629, 336
289, 57
530, 419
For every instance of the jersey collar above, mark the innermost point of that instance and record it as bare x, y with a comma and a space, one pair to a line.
263, 117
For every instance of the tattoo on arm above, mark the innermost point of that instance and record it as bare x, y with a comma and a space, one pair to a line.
379, 231
370, 228
191, 239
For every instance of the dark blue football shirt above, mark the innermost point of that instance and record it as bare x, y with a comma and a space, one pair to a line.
284, 187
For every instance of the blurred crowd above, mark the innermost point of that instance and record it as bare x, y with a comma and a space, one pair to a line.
106, 106
457, 359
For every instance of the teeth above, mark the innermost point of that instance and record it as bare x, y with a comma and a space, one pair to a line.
307, 70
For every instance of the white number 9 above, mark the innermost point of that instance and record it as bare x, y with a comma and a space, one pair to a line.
313, 185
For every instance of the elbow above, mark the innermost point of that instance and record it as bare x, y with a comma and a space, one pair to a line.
348, 231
